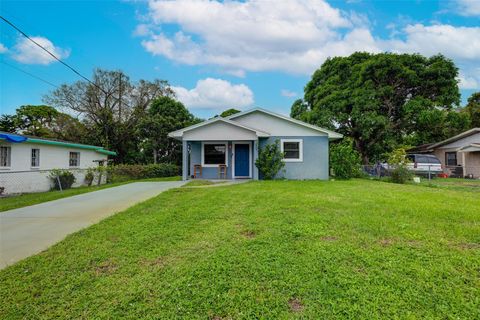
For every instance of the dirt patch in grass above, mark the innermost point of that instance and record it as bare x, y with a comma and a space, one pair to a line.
295, 305
249, 234
156, 262
467, 246
328, 238
105, 268
386, 242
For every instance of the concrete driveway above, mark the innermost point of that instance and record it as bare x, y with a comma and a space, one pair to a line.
27, 231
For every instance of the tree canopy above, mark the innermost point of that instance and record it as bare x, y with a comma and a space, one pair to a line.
110, 108
382, 100
229, 112
473, 109
164, 115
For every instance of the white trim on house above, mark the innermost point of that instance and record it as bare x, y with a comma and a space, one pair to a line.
250, 160
300, 149
203, 153
331, 134
179, 133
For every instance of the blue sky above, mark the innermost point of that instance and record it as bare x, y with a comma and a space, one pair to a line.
218, 55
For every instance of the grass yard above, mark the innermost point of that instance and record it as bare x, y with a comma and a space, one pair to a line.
28, 199
453, 183
283, 249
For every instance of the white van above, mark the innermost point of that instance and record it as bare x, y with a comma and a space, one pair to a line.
423, 164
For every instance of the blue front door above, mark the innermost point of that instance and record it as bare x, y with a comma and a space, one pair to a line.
242, 160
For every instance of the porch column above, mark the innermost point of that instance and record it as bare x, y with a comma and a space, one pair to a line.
255, 157
184, 160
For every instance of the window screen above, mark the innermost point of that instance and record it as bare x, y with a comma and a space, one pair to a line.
451, 158
35, 161
74, 159
291, 150
214, 153
5, 155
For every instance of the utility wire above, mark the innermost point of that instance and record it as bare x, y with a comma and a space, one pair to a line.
28, 73
50, 53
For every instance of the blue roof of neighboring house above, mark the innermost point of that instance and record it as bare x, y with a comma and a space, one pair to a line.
17, 138
13, 138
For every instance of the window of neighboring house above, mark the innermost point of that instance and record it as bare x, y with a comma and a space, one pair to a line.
35, 161
451, 158
292, 150
74, 159
214, 154
5, 156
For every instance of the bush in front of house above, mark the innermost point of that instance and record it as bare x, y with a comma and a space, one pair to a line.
398, 160
62, 179
345, 161
89, 176
270, 160
124, 172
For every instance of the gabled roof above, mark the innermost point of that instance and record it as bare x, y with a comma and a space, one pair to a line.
455, 138
31, 139
331, 134
179, 133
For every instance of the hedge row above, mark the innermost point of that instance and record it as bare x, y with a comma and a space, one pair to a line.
125, 172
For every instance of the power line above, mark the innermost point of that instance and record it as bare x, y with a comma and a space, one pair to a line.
30, 74
50, 53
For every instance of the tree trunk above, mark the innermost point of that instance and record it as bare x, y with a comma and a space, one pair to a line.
155, 153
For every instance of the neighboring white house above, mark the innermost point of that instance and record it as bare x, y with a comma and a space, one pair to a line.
25, 162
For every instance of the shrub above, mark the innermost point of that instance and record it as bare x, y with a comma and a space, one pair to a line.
398, 160
270, 160
345, 160
65, 177
124, 172
89, 176
401, 174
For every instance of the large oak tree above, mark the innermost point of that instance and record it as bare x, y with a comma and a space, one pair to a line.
383, 100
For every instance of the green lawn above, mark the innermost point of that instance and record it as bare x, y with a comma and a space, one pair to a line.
29, 199
315, 250
453, 183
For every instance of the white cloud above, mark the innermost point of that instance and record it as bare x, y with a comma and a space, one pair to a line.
3, 49
27, 52
454, 42
287, 93
291, 36
142, 30
468, 7
251, 35
212, 93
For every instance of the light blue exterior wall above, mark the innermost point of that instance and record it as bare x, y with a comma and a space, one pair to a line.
314, 165
212, 172
315, 158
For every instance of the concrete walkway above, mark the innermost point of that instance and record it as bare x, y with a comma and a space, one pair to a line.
29, 230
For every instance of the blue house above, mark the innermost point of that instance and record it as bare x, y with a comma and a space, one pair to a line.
226, 148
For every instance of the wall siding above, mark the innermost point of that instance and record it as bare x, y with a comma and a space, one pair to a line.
22, 178
315, 158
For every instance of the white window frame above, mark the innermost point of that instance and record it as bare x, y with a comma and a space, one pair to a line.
78, 159
9, 148
300, 149
38, 158
203, 154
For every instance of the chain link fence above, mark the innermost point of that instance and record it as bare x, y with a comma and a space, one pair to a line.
425, 171
18, 182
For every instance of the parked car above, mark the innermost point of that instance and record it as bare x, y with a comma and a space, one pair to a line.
423, 164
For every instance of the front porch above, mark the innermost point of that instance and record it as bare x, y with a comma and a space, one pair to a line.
220, 160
